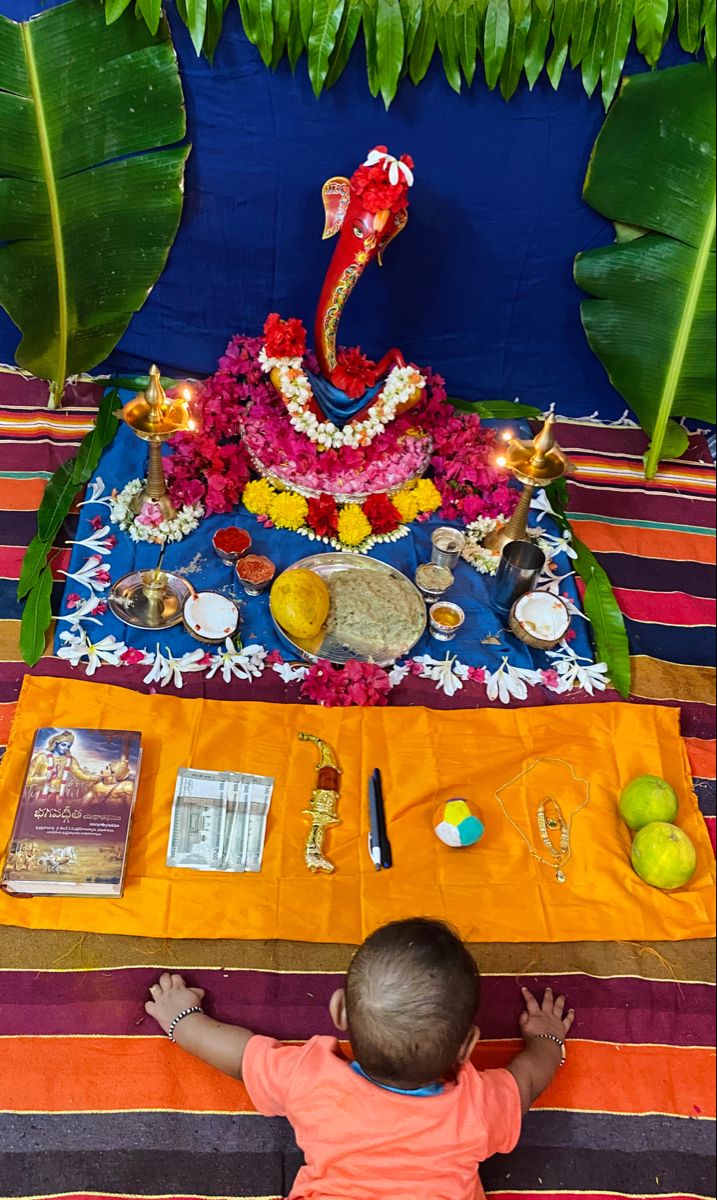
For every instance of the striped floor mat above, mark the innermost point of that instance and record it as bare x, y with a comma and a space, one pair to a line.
95, 1103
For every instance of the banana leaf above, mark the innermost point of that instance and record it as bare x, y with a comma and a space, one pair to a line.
652, 323
89, 206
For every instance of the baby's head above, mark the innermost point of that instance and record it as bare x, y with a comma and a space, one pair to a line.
411, 1000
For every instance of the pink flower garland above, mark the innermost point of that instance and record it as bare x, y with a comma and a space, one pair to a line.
212, 466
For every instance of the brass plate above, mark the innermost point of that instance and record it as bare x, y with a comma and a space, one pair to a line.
128, 603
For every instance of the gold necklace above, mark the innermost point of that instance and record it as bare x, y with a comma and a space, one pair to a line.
549, 818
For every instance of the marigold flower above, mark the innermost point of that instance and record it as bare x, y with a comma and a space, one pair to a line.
407, 504
258, 495
288, 510
354, 526
427, 496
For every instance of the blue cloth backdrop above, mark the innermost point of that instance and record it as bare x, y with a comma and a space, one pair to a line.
479, 286
125, 459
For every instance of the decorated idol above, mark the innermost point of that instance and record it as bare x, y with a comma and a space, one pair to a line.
350, 400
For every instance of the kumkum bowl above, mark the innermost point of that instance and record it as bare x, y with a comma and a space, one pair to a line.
540, 619
255, 572
210, 617
230, 556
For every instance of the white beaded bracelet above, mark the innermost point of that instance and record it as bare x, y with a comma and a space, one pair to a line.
551, 1037
186, 1012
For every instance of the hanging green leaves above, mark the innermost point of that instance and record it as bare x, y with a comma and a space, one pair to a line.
514, 60
650, 21
322, 39
35, 583
537, 44
563, 21
424, 45
402, 37
348, 32
617, 41
389, 47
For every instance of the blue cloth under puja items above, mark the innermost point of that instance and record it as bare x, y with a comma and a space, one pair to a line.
195, 557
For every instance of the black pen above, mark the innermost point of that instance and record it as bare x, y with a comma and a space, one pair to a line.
378, 843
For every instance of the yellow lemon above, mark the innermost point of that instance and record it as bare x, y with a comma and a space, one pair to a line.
300, 602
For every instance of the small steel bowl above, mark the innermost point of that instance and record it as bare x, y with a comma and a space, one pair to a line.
439, 631
229, 557
194, 631
250, 586
442, 580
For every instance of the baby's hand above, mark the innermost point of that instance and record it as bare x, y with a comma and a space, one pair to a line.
170, 996
549, 1018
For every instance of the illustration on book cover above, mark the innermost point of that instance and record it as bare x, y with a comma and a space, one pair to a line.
74, 812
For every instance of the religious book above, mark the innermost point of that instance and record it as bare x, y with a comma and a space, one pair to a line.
219, 820
74, 814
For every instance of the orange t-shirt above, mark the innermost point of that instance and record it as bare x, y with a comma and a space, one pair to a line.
363, 1142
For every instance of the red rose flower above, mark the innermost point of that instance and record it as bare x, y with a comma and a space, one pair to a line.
383, 515
354, 372
284, 339
323, 515
375, 189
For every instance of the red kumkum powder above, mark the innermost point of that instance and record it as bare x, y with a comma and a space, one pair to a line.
255, 568
232, 540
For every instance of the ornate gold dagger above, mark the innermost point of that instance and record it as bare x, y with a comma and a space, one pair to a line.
324, 802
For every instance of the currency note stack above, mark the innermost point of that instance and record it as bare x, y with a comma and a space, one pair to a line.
219, 821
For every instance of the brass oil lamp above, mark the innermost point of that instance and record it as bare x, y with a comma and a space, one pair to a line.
155, 418
535, 464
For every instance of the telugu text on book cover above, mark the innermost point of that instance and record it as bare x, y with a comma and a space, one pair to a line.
74, 813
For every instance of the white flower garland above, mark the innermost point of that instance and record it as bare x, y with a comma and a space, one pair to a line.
120, 505
373, 539
295, 387
486, 561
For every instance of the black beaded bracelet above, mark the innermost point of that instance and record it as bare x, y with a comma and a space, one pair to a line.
551, 1037
186, 1012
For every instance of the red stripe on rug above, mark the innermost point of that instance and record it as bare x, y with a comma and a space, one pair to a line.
667, 608
701, 753
11, 562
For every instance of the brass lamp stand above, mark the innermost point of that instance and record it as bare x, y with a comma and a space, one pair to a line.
155, 419
535, 464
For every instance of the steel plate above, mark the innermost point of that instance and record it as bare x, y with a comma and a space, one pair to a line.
325, 645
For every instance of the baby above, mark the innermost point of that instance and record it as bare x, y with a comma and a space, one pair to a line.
408, 1117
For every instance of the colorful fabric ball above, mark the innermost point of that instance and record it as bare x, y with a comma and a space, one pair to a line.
457, 825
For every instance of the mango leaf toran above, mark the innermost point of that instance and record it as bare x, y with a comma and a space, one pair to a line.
401, 37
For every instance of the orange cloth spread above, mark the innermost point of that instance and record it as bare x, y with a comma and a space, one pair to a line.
494, 891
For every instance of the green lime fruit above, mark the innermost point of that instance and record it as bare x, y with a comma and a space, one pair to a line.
648, 798
664, 856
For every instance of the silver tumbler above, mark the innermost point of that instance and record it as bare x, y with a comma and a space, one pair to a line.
519, 567
447, 546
